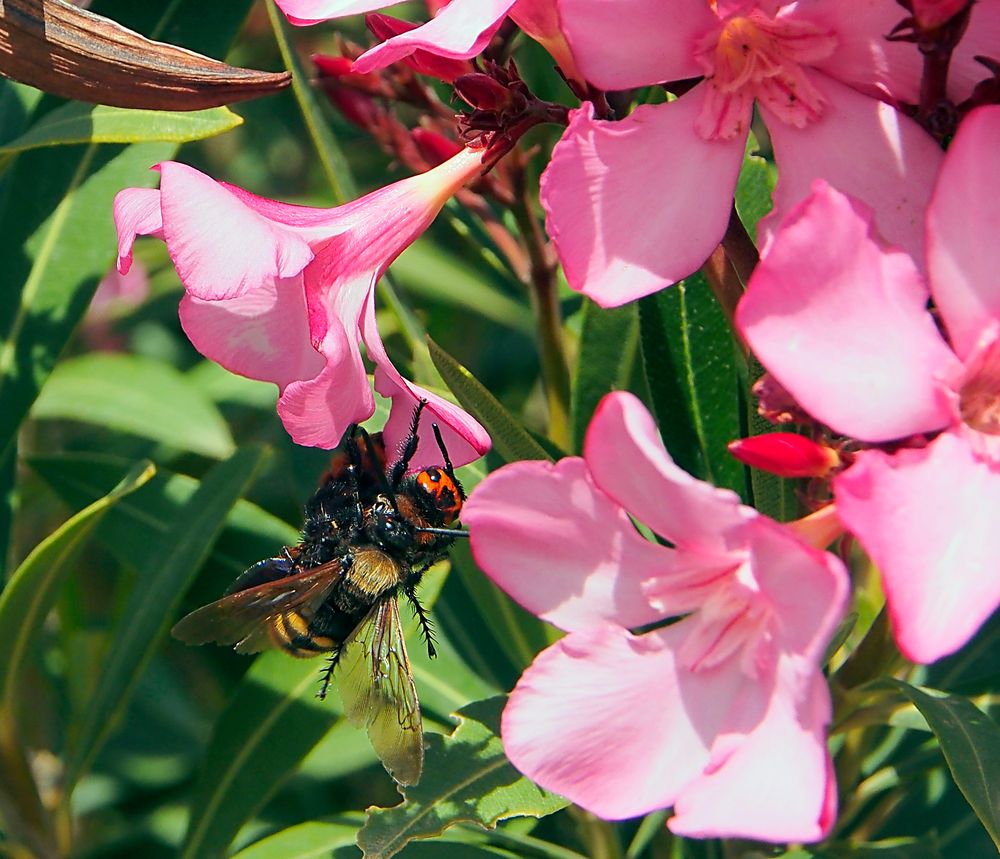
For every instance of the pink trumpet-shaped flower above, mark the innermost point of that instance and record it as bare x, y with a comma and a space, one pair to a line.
638, 204
460, 30
721, 714
285, 294
841, 320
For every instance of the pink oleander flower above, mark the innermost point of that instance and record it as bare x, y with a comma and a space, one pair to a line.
841, 320
459, 31
721, 714
638, 204
285, 294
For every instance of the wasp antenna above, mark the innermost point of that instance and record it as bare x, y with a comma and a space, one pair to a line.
444, 532
410, 448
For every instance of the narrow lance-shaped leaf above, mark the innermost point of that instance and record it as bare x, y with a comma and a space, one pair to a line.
311, 840
690, 364
75, 53
467, 779
511, 440
87, 123
970, 742
154, 601
24, 603
608, 345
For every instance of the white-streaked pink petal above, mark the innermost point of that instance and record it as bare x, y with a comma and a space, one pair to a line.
928, 519
841, 323
805, 589
261, 334
603, 718
894, 177
963, 225
137, 213
769, 779
653, 40
636, 205
464, 437
560, 547
459, 31
219, 246
628, 461
306, 12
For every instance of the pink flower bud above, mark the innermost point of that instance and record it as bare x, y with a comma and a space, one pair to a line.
384, 27
348, 91
785, 454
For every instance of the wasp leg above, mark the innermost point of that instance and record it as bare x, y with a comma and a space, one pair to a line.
425, 622
412, 439
331, 666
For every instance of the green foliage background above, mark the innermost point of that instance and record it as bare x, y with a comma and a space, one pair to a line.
137, 483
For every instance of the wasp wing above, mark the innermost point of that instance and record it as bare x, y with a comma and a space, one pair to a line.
376, 685
242, 618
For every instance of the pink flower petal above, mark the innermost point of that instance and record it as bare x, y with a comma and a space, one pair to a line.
894, 176
560, 547
660, 36
603, 718
816, 312
636, 205
221, 247
306, 12
261, 334
464, 437
461, 30
137, 213
628, 461
865, 59
769, 777
963, 223
928, 519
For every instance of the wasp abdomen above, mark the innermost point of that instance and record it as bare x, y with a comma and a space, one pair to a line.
293, 633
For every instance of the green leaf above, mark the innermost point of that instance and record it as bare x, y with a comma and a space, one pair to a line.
970, 742
57, 237
467, 779
137, 530
153, 602
270, 724
692, 372
755, 188
136, 395
312, 840
511, 440
31, 591
608, 344
76, 122
24, 603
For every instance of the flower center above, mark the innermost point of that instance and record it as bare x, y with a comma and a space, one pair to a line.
756, 56
979, 396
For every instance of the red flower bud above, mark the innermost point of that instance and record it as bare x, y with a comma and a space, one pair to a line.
934, 13
435, 148
483, 92
785, 454
348, 92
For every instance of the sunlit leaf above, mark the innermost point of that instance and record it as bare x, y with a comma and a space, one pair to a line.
310, 840
136, 395
153, 603
467, 779
77, 122
970, 742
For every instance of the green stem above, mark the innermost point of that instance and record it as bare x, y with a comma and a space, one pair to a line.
544, 293
598, 835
